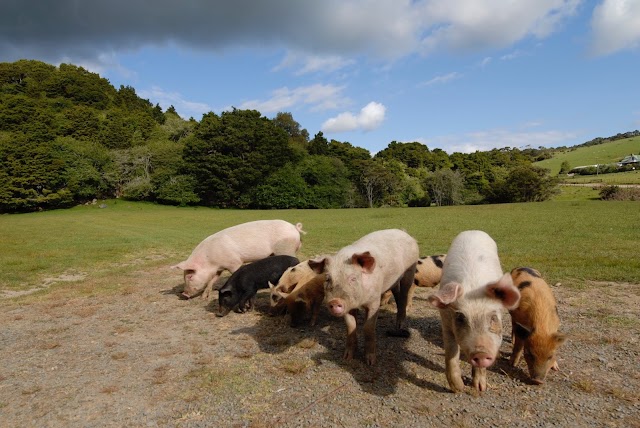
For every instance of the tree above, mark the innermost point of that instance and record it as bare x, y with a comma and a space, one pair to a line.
445, 187
525, 183
319, 145
564, 167
230, 155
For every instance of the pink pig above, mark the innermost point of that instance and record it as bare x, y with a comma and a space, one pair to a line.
360, 273
472, 296
230, 248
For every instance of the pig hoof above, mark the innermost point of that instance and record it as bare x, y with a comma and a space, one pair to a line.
402, 332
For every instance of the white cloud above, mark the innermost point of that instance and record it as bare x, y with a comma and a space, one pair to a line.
499, 138
370, 117
616, 26
485, 61
184, 107
513, 55
468, 25
305, 64
445, 78
319, 97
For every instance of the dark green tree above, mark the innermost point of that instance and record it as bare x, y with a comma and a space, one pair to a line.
229, 155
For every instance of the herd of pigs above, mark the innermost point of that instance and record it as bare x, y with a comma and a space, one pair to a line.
471, 297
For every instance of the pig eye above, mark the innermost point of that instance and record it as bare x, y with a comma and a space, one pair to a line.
494, 318
461, 319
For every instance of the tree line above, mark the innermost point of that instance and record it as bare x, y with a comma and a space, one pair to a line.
67, 136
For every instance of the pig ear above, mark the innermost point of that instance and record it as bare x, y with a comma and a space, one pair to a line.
365, 260
446, 294
505, 291
318, 265
181, 265
522, 331
559, 338
271, 286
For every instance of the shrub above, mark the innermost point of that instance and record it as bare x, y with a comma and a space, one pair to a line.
617, 193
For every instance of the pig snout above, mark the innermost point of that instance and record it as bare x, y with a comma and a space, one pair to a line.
336, 307
223, 311
184, 296
482, 359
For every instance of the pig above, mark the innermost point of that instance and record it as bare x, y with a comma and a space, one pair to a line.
428, 274
535, 324
358, 274
472, 295
241, 287
304, 300
230, 248
292, 278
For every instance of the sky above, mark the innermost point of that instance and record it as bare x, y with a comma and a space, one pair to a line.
459, 75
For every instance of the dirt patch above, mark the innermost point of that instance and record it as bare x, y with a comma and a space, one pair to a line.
139, 356
46, 283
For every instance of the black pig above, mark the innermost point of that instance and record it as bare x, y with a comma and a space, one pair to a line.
244, 283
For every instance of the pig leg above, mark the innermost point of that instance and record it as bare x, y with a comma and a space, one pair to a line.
400, 294
518, 348
315, 310
479, 375
352, 338
412, 289
386, 296
369, 330
246, 302
452, 361
206, 293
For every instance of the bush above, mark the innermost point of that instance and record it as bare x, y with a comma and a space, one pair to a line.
617, 193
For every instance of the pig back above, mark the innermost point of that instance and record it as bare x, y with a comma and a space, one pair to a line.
246, 242
472, 261
394, 251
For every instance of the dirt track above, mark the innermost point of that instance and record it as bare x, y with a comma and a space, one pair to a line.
139, 356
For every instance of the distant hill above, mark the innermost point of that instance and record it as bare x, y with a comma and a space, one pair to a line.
603, 153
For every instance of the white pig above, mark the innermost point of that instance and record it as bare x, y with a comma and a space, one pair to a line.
358, 274
472, 295
230, 248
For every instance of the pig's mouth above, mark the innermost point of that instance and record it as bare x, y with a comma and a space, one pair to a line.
223, 311
184, 296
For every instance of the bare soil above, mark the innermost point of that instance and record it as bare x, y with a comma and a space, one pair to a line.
138, 356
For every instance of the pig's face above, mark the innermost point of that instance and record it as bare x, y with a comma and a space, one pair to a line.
539, 351
227, 299
298, 274
195, 281
343, 287
338, 292
476, 317
477, 327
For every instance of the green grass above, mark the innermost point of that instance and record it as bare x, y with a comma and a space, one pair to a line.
609, 152
628, 177
568, 241
577, 193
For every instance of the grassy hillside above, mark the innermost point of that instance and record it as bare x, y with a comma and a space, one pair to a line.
568, 241
609, 152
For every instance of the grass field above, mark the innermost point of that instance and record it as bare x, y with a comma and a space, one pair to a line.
569, 241
629, 177
606, 153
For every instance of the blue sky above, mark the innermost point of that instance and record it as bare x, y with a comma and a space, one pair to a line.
460, 75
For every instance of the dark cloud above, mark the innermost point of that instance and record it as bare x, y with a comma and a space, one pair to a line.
84, 28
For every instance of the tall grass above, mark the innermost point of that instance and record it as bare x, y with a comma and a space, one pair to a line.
567, 241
